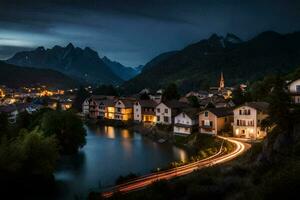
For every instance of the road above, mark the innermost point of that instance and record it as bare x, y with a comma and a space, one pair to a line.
146, 180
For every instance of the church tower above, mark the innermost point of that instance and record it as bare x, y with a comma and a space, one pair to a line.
222, 82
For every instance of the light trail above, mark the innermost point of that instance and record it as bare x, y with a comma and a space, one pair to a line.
146, 180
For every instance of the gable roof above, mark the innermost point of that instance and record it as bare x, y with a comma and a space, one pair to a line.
261, 106
220, 112
127, 102
191, 112
147, 103
175, 104
107, 102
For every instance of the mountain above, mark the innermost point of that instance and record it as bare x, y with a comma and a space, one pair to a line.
139, 68
199, 65
15, 76
84, 64
125, 73
158, 59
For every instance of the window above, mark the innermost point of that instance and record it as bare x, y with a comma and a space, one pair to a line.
240, 112
166, 110
158, 118
158, 110
210, 123
238, 122
225, 119
202, 122
166, 119
206, 114
297, 88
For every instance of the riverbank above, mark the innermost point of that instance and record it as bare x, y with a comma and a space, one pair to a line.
198, 146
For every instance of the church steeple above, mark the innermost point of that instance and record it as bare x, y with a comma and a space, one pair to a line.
222, 82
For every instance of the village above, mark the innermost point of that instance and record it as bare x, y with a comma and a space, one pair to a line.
216, 113
32, 99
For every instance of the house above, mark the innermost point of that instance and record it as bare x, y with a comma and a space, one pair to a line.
166, 111
106, 108
144, 111
214, 120
86, 106
13, 110
96, 105
186, 122
199, 94
248, 118
294, 90
123, 110
157, 96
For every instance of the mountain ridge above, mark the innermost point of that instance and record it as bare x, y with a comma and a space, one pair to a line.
198, 65
29, 76
81, 63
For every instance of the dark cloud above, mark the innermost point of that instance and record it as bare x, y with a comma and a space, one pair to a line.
133, 31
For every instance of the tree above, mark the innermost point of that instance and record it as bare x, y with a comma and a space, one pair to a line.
67, 128
279, 108
105, 90
81, 95
41, 153
144, 96
171, 92
3, 123
194, 102
239, 96
23, 120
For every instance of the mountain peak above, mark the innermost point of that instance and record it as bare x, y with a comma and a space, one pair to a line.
40, 49
230, 37
70, 46
214, 37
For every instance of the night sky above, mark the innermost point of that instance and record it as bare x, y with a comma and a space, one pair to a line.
134, 31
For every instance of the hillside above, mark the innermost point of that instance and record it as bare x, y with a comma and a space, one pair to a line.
199, 65
84, 64
15, 76
125, 73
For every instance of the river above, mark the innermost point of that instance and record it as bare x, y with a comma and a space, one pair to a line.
109, 153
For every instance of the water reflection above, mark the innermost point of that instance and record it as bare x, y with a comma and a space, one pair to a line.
109, 153
110, 131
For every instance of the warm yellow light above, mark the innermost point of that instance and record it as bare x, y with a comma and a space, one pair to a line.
237, 131
251, 130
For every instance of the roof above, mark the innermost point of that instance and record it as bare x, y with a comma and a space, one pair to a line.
8, 108
191, 112
220, 112
261, 106
13, 107
127, 102
175, 104
147, 103
107, 102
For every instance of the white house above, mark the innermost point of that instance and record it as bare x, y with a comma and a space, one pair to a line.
124, 110
86, 107
186, 122
248, 118
144, 111
294, 90
166, 111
